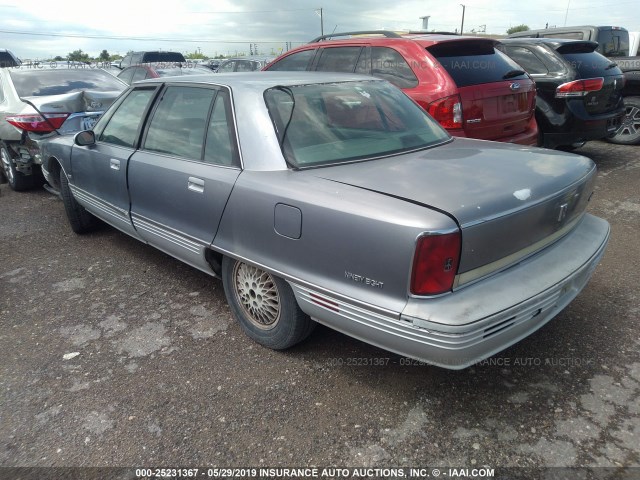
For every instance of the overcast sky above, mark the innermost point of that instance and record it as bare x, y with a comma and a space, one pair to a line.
36, 30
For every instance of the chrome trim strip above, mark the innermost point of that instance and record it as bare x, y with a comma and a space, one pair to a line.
160, 231
476, 274
98, 204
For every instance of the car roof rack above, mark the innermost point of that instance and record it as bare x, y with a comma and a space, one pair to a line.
385, 33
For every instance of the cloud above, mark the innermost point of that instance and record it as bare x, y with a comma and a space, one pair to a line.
226, 27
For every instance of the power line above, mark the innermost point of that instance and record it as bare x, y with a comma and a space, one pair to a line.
113, 37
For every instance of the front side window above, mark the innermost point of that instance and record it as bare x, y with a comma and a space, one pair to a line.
245, 66
139, 74
296, 62
178, 124
342, 122
125, 122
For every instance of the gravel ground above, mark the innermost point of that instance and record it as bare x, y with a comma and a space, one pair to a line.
161, 375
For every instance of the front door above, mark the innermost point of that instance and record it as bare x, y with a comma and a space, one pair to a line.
99, 172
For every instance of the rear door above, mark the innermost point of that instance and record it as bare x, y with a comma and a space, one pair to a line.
182, 176
497, 97
99, 171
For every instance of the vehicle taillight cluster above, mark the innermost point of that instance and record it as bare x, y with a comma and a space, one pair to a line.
579, 88
435, 263
36, 123
447, 111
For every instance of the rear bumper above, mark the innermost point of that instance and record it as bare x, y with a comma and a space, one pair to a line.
457, 330
583, 128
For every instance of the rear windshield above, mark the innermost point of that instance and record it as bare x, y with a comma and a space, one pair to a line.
341, 122
613, 43
37, 83
591, 64
475, 63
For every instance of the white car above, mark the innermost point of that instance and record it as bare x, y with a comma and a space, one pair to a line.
39, 100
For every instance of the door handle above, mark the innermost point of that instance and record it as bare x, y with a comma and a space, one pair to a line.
195, 184
115, 164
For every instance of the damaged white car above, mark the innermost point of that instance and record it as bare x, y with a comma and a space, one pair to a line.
38, 102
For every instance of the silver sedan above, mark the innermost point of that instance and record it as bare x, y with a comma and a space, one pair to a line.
335, 198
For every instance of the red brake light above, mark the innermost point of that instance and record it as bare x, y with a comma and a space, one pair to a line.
579, 88
35, 123
447, 111
435, 264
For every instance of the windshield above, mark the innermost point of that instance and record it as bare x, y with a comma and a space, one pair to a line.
36, 83
341, 122
613, 42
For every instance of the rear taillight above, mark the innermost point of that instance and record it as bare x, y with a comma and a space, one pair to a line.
447, 111
579, 88
35, 122
435, 264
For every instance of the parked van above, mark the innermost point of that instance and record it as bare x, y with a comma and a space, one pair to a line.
612, 41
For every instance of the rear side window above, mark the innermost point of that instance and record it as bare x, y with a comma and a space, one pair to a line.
123, 126
295, 62
338, 59
388, 64
35, 83
474, 63
221, 148
139, 74
178, 124
527, 59
570, 35
127, 74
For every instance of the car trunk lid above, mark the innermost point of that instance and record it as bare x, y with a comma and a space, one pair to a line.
506, 199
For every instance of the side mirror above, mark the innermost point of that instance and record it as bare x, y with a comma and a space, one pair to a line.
85, 139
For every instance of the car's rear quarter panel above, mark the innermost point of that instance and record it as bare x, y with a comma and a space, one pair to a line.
342, 230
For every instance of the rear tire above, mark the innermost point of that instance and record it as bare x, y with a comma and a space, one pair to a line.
264, 305
629, 131
18, 181
80, 220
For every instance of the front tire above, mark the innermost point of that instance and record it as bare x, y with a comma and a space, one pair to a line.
80, 220
264, 305
629, 131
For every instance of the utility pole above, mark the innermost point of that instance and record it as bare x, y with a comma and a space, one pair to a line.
566, 14
319, 13
462, 24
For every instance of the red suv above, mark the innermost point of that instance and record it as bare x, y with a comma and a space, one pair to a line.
465, 83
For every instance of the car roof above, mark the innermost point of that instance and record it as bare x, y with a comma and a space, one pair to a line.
265, 80
553, 42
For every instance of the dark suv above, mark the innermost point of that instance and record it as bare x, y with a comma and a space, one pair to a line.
579, 90
465, 83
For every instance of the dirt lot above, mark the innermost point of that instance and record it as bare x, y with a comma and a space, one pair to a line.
164, 377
